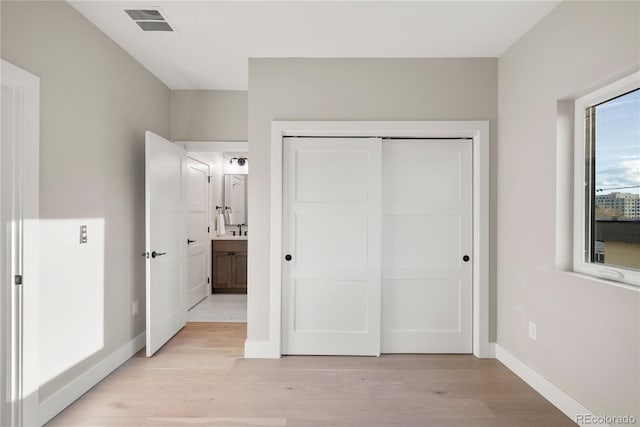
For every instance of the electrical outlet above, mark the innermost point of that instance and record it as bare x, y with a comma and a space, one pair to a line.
83, 234
532, 331
134, 308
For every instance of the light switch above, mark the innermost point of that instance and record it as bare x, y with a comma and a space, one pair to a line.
83, 234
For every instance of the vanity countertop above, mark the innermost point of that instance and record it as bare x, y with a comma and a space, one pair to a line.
229, 236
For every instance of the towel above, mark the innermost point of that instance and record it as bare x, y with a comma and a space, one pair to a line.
220, 225
230, 219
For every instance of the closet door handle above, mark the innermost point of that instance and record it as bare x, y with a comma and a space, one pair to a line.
157, 254
189, 241
288, 257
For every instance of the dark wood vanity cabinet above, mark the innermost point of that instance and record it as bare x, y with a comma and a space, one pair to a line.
229, 266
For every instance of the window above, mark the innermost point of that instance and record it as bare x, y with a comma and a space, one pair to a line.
607, 182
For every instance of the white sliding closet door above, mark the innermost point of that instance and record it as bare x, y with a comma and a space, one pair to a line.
332, 221
427, 222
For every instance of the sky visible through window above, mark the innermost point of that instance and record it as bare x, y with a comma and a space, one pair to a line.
618, 145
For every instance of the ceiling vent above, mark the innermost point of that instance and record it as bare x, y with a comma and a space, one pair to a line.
149, 19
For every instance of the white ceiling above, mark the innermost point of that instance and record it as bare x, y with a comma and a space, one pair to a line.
214, 39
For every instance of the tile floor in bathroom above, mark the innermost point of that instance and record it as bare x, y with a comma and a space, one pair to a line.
220, 308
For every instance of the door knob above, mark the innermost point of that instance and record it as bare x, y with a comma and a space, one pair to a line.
155, 254
189, 241
288, 257
466, 258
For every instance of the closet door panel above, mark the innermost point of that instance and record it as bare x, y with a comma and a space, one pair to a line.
332, 221
427, 227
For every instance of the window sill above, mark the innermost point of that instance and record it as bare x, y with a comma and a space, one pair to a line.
604, 281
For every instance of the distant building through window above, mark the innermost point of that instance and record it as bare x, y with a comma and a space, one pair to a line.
618, 206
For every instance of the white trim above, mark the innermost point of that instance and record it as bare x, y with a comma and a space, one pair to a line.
561, 400
261, 350
478, 130
604, 281
68, 394
214, 146
609, 273
23, 345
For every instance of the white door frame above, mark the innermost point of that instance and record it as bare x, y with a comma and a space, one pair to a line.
19, 304
478, 131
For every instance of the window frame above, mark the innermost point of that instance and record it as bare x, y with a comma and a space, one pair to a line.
581, 186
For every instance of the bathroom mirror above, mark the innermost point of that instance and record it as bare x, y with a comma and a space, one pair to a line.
235, 199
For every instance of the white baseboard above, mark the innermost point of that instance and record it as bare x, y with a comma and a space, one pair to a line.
561, 400
79, 386
260, 350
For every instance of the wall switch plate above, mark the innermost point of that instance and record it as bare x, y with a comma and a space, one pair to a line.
134, 307
83, 234
532, 331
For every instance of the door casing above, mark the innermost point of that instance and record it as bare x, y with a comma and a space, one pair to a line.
19, 303
478, 131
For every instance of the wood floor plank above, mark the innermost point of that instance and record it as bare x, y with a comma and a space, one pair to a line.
200, 378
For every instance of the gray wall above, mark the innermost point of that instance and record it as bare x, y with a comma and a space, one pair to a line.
588, 332
96, 103
209, 115
348, 89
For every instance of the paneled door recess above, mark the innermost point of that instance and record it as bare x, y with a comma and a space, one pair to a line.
427, 229
374, 227
332, 243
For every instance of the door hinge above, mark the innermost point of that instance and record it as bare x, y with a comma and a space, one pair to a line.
18, 279
208, 229
209, 179
208, 280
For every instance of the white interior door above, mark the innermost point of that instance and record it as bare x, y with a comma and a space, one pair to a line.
332, 221
427, 222
166, 240
198, 241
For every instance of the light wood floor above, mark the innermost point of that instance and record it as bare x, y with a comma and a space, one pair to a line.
200, 379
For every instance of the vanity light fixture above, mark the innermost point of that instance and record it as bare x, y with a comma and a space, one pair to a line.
240, 160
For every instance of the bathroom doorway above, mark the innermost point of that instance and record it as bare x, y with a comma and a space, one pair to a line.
222, 295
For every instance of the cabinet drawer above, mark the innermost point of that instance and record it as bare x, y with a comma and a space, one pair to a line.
229, 245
